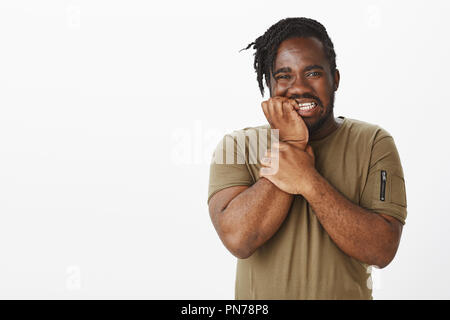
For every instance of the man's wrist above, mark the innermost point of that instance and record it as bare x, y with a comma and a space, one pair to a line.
309, 184
297, 143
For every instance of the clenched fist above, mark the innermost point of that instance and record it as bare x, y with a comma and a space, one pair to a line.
282, 115
289, 167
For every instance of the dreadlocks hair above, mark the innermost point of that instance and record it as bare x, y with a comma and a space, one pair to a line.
266, 46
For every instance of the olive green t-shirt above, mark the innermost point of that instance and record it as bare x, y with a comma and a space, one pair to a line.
301, 261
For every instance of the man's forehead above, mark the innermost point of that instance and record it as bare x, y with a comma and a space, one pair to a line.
300, 43
306, 50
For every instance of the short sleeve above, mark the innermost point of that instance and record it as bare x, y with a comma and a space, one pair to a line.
384, 191
228, 167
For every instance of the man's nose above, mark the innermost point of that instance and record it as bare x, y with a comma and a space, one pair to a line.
299, 86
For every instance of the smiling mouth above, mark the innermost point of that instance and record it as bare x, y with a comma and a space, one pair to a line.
307, 106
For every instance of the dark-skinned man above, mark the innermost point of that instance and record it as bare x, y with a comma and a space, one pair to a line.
325, 202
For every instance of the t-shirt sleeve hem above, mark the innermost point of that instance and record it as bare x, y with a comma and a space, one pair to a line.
392, 214
234, 184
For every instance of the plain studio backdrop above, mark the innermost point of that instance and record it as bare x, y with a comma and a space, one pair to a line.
110, 110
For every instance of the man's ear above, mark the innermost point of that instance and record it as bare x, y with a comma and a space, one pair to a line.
337, 78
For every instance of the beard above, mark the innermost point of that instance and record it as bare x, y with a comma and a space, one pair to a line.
314, 127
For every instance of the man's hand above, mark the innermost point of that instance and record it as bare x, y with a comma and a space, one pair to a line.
289, 167
282, 115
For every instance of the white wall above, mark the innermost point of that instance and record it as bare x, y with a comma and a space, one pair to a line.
109, 111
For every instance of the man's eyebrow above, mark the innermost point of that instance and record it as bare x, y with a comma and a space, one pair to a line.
308, 68
314, 66
284, 69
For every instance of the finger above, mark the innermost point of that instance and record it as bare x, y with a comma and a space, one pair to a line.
287, 108
294, 104
265, 106
293, 111
299, 118
281, 98
295, 107
278, 107
271, 108
278, 98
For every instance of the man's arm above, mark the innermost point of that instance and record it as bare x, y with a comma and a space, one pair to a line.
370, 237
246, 217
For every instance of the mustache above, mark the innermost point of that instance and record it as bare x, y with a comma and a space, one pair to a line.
307, 96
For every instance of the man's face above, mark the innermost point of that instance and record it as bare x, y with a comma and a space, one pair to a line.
302, 72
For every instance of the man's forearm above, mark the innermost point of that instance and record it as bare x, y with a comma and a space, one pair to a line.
360, 233
253, 216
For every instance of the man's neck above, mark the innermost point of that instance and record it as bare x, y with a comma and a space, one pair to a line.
328, 127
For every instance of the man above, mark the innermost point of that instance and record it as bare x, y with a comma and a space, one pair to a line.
327, 202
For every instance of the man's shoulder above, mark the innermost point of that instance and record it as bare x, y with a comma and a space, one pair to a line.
357, 128
366, 130
248, 140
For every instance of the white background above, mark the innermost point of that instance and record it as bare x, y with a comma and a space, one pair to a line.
110, 110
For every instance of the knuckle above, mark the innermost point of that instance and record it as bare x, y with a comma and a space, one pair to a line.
278, 103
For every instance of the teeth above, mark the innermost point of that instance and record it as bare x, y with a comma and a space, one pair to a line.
306, 106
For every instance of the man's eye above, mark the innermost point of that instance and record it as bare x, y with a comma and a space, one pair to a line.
313, 74
285, 76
